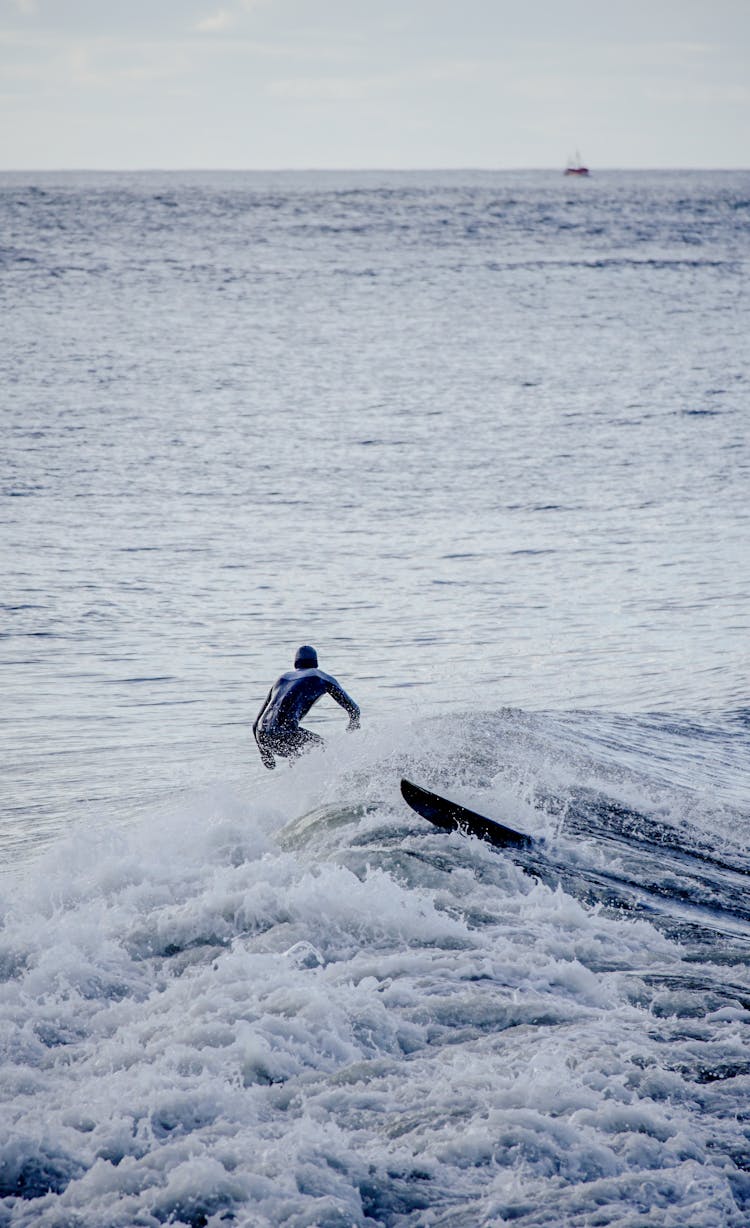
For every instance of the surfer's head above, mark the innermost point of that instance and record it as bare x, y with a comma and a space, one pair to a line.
306, 658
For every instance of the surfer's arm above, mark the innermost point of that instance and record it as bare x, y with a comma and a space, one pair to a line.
347, 703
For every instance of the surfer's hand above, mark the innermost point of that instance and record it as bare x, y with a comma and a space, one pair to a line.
353, 724
268, 759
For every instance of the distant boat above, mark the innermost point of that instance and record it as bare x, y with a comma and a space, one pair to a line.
575, 166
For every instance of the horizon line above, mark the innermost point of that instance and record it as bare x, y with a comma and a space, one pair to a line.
339, 170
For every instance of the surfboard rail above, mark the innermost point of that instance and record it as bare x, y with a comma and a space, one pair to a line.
451, 816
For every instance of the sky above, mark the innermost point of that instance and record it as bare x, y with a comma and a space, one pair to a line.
272, 84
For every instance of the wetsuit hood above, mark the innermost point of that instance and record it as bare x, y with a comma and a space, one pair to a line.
306, 658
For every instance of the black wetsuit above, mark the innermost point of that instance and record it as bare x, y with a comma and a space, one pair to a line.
277, 726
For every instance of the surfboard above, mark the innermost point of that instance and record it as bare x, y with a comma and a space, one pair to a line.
450, 816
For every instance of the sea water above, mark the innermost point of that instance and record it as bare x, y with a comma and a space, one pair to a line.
482, 439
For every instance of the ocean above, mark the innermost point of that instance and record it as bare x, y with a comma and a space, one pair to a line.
482, 439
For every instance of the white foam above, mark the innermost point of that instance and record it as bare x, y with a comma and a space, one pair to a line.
196, 1021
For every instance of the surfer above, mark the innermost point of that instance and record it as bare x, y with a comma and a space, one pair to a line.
277, 729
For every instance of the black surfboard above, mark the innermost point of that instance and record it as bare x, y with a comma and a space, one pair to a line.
451, 817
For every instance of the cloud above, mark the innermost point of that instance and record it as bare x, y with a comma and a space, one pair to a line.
699, 93
223, 18
372, 85
216, 22
328, 89
105, 64
27, 7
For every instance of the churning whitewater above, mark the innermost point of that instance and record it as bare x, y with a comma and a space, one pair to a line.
247, 1014
481, 439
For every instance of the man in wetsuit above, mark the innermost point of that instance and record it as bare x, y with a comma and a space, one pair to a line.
277, 726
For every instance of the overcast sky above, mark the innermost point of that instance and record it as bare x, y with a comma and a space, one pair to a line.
373, 83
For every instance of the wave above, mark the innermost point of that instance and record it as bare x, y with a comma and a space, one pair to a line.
288, 1000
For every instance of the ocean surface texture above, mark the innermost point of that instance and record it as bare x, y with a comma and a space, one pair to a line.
482, 439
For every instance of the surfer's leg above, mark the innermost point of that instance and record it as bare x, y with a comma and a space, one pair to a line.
286, 744
266, 753
304, 740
